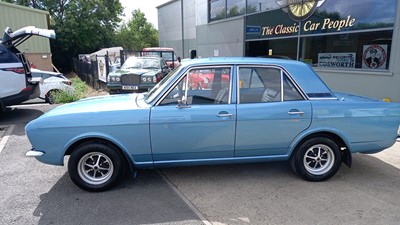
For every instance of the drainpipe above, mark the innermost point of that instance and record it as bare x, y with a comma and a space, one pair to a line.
183, 36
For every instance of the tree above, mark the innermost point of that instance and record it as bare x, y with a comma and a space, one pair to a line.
137, 33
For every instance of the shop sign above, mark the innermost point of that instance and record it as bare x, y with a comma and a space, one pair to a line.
326, 24
299, 9
253, 29
337, 60
374, 56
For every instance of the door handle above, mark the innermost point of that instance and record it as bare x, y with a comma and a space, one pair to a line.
295, 112
225, 114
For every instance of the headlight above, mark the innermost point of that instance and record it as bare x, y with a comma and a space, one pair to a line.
115, 79
147, 79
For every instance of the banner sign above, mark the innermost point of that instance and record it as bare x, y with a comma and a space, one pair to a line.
337, 60
101, 68
374, 56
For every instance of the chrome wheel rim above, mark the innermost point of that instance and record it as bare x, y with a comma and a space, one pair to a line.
319, 159
95, 168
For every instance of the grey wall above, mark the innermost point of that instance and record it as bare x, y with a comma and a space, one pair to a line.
170, 26
224, 38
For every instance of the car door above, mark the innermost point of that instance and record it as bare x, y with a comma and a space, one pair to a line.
271, 112
194, 124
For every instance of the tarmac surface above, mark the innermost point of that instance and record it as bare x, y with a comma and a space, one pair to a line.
263, 193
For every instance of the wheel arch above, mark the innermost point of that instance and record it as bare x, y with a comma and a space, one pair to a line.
341, 142
128, 162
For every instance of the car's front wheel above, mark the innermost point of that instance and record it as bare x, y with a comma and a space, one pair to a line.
317, 159
95, 167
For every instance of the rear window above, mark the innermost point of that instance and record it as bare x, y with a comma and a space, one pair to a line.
6, 56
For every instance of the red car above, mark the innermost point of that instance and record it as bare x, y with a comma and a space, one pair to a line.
203, 79
168, 54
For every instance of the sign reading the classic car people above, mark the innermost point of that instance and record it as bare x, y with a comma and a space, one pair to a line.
304, 17
101, 68
374, 56
337, 60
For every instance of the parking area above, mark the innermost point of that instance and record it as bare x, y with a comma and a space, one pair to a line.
266, 193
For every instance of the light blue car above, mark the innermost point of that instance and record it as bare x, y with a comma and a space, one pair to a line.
263, 110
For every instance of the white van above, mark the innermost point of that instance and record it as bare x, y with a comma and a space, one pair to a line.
16, 82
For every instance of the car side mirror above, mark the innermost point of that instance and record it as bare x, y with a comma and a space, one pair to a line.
182, 103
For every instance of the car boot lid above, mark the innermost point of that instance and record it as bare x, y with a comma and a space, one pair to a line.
17, 37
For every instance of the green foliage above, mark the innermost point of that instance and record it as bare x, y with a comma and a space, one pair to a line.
81, 26
65, 96
85, 26
137, 33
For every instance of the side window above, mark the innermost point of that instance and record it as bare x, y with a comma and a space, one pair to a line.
201, 86
290, 92
259, 84
6, 56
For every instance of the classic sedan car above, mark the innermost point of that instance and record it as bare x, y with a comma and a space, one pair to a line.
272, 109
137, 74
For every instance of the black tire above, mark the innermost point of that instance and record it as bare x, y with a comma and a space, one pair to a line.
316, 159
49, 98
95, 167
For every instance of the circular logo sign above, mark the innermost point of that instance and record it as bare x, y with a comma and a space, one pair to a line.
374, 56
300, 9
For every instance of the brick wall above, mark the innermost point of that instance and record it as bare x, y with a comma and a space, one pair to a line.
40, 61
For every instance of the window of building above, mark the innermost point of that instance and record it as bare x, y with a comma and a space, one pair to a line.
367, 50
235, 8
217, 9
337, 34
260, 5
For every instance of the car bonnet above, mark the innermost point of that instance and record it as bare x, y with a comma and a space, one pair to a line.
97, 105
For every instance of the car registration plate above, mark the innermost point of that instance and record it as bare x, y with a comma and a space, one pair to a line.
130, 87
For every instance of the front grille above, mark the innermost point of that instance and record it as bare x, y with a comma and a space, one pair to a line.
130, 79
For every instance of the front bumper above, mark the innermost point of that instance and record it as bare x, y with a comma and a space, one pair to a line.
34, 153
119, 88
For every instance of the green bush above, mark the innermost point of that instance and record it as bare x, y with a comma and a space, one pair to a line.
65, 96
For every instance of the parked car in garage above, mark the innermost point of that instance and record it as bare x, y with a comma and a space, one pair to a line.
137, 74
52, 83
16, 82
271, 110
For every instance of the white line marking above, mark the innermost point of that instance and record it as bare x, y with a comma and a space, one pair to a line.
4, 140
185, 199
29, 105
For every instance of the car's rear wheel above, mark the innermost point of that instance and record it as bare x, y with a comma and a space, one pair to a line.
49, 98
317, 159
95, 167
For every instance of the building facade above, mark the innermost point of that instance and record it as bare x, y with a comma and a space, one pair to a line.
353, 45
36, 49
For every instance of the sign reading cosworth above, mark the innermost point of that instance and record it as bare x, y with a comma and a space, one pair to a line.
300, 11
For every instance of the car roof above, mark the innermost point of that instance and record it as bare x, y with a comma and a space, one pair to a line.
146, 57
158, 49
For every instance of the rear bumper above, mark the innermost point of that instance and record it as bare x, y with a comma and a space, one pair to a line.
30, 92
